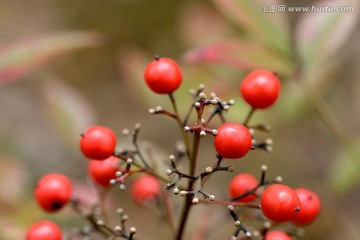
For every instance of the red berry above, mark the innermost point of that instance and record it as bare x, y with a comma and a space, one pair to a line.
276, 235
260, 88
163, 75
102, 171
232, 140
44, 230
310, 207
98, 142
242, 183
280, 203
145, 188
53, 191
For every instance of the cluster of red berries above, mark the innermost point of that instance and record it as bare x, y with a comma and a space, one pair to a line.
279, 203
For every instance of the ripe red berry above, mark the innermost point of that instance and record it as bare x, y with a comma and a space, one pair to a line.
163, 75
310, 207
242, 183
44, 230
102, 171
232, 140
276, 235
98, 142
260, 88
145, 188
53, 191
280, 203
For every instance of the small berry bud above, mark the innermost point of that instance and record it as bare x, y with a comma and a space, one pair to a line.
158, 109
230, 208
208, 169
278, 179
202, 133
248, 234
202, 86
269, 141
125, 131
195, 200
168, 172
269, 148
183, 193
119, 211
197, 105
231, 168
264, 168
171, 158
214, 132
237, 223
132, 230
122, 187
233, 238
117, 229
176, 191
202, 95
100, 223
186, 128
226, 107
112, 182
231, 102
118, 174
129, 161
214, 101
211, 197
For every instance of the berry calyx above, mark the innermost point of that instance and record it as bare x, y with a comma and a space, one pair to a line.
276, 235
163, 75
44, 230
241, 184
104, 170
260, 88
145, 189
232, 140
310, 207
280, 203
98, 142
53, 192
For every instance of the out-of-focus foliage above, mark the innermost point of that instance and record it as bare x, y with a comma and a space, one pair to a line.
216, 42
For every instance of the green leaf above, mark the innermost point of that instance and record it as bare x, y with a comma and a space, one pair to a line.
67, 109
344, 173
24, 57
321, 34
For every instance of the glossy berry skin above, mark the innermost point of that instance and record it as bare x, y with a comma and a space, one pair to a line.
276, 235
260, 89
53, 191
232, 140
280, 203
44, 230
310, 207
163, 75
102, 171
242, 183
98, 142
145, 189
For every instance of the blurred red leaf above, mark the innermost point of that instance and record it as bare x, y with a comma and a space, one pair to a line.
25, 56
239, 53
271, 29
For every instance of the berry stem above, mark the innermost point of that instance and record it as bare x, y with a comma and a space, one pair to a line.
178, 120
248, 117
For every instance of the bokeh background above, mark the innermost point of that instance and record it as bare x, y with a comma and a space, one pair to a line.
66, 65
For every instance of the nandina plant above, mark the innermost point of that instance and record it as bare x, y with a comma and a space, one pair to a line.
270, 201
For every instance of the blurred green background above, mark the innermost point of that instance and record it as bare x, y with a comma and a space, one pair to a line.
65, 65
